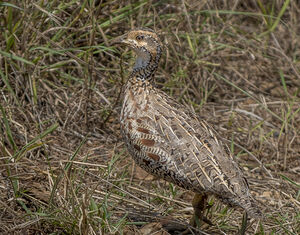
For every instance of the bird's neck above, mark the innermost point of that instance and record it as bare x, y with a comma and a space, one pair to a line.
146, 64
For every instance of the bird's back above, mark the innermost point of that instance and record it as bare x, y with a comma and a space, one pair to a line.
173, 143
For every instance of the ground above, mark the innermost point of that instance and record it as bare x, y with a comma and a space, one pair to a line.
64, 168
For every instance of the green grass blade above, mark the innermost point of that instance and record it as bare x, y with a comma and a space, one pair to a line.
14, 57
7, 128
9, 88
283, 83
289, 180
7, 4
17, 156
277, 19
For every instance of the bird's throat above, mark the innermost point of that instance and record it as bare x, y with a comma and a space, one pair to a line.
146, 64
143, 60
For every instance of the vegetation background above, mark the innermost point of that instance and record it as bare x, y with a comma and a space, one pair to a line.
64, 168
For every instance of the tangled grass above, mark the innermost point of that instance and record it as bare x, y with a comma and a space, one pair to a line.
63, 166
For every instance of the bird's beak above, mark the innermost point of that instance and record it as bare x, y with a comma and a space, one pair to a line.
120, 40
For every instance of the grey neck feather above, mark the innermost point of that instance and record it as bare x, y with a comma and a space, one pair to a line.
145, 66
142, 60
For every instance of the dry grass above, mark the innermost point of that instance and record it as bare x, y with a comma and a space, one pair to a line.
63, 166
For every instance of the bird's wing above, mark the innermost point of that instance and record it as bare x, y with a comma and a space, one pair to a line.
194, 153
169, 141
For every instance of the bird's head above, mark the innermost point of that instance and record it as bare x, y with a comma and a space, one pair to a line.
140, 39
148, 48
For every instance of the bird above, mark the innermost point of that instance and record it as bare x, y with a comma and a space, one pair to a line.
172, 142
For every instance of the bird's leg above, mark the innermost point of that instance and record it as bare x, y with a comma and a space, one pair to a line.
199, 204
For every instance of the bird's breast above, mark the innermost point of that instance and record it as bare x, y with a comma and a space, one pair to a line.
138, 127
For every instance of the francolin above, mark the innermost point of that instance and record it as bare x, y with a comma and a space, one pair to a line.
173, 143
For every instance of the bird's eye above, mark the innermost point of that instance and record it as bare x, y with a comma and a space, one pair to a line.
139, 37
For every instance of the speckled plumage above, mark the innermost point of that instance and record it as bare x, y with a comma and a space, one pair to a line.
171, 142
